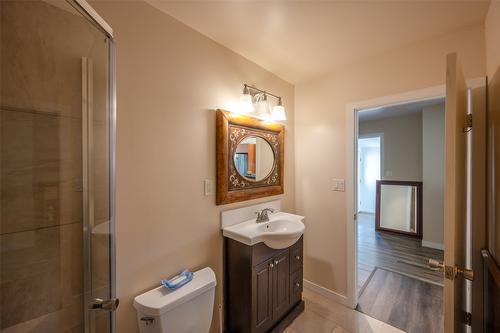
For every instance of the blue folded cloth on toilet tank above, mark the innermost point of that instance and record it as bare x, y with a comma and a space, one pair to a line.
177, 281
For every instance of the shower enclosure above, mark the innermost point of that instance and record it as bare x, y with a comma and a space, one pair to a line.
57, 125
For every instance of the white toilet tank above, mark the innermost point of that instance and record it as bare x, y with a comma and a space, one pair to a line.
185, 310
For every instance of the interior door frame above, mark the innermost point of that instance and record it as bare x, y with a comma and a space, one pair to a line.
351, 125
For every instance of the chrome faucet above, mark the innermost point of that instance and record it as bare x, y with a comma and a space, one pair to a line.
262, 216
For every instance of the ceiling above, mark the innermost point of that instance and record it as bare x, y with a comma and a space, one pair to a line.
298, 40
397, 110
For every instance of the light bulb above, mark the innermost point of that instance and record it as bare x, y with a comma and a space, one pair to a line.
246, 105
246, 102
278, 112
262, 107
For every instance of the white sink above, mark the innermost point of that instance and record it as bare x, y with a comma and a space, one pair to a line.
282, 231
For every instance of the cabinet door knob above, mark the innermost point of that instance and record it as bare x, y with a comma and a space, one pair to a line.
298, 285
271, 265
297, 257
276, 262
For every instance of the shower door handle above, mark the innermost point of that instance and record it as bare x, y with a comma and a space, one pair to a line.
100, 304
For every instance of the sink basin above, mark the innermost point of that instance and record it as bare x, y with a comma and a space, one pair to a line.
282, 231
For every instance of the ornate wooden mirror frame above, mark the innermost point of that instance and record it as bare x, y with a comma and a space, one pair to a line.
232, 128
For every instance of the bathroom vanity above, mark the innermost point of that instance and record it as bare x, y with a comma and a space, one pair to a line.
263, 286
262, 252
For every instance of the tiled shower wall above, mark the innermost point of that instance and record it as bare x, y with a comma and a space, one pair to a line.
41, 277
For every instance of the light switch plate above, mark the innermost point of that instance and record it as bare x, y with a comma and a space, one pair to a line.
209, 187
338, 185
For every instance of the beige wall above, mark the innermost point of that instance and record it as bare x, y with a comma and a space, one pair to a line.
492, 33
320, 148
402, 145
433, 174
170, 78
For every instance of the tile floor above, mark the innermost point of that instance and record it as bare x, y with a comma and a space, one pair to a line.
322, 315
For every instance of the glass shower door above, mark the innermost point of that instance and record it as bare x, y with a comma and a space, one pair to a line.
56, 127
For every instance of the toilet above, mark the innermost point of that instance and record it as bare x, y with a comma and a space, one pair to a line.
185, 310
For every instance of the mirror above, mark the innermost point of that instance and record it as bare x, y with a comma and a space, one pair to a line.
254, 158
250, 158
399, 207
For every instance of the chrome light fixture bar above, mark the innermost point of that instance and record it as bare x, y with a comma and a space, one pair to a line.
257, 104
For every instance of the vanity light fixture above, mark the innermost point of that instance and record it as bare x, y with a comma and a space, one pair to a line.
256, 103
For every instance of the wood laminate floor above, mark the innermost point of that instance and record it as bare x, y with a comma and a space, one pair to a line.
411, 305
396, 253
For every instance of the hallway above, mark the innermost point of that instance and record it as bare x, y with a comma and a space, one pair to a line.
400, 254
395, 284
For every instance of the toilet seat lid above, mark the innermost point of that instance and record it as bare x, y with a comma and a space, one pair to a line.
160, 300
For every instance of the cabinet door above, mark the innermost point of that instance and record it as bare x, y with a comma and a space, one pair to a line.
262, 283
281, 288
296, 258
296, 287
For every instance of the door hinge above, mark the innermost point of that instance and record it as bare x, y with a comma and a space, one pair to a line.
468, 123
468, 319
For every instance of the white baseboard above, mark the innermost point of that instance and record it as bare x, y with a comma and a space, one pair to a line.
433, 245
327, 293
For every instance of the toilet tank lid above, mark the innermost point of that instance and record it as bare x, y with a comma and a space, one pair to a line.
160, 300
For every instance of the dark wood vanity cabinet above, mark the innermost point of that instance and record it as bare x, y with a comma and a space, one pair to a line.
263, 286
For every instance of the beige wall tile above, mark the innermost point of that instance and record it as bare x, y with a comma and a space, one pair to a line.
66, 320
41, 272
41, 171
43, 69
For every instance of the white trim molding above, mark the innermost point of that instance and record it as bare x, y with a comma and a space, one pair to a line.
330, 294
433, 245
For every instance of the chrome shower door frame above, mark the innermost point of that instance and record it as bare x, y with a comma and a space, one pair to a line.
91, 15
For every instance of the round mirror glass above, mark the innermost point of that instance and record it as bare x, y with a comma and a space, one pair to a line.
254, 158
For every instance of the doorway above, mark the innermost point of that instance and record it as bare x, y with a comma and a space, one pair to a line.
398, 145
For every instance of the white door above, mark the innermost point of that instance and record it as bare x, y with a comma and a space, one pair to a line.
368, 173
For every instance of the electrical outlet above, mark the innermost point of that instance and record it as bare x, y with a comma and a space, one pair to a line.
209, 187
338, 185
